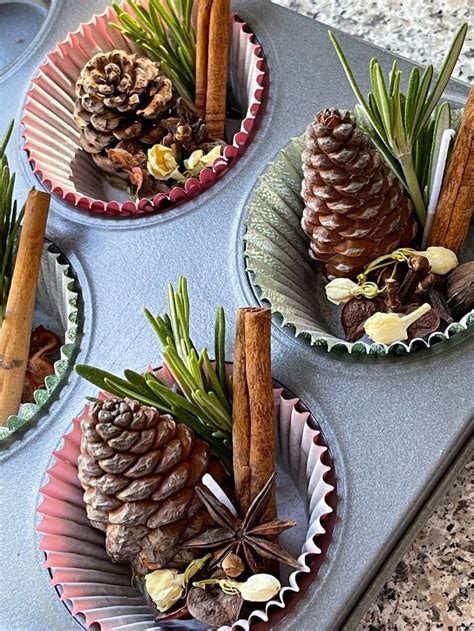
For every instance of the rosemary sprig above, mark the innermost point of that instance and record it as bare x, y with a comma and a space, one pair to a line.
164, 31
400, 124
201, 399
10, 220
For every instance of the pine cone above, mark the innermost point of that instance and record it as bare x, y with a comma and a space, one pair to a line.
138, 470
355, 208
118, 97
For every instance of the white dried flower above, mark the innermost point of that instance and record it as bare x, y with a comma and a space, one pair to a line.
386, 328
162, 163
441, 260
260, 588
165, 587
340, 290
199, 160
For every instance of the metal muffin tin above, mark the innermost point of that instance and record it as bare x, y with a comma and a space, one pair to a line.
394, 426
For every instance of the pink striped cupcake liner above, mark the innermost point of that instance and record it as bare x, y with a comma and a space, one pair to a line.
98, 592
51, 138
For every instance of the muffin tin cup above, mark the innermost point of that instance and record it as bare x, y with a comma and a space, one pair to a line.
52, 137
98, 591
282, 274
56, 309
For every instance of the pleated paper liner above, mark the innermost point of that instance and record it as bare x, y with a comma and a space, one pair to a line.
98, 592
283, 275
52, 138
57, 310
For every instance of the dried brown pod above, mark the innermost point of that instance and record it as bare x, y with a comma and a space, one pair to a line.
418, 267
431, 286
460, 289
255, 539
426, 324
353, 315
233, 565
213, 607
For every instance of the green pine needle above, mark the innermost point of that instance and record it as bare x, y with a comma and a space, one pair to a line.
164, 31
406, 128
202, 399
10, 220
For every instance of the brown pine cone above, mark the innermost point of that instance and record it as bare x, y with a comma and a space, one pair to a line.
117, 93
139, 470
355, 208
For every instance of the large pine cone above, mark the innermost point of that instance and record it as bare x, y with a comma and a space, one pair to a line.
138, 470
117, 93
355, 208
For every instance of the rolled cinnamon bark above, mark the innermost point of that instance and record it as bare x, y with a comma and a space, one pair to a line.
241, 419
456, 202
218, 52
202, 44
15, 331
260, 389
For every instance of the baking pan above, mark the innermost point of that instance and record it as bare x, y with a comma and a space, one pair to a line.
394, 426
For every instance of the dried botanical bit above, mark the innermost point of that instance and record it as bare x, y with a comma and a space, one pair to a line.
354, 314
426, 324
233, 565
418, 267
460, 289
166, 586
257, 588
213, 606
42, 344
441, 260
432, 287
392, 298
260, 588
248, 534
386, 328
341, 290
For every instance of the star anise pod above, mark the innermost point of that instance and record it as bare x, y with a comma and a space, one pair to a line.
243, 535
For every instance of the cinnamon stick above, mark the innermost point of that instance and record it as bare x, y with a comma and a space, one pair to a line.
218, 52
456, 202
202, 44
15, 331
241, 419
260, 389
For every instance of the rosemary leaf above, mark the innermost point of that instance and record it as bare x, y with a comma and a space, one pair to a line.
401, 125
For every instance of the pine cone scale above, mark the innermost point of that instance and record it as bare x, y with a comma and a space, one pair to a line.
355, 209
139, 471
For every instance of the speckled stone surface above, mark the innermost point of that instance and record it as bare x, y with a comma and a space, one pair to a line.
418, 29
433, 586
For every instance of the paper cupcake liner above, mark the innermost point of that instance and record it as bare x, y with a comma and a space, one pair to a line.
52, 138
98, 591
56, 308
279, 267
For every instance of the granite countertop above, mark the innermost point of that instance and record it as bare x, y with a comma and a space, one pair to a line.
433, 586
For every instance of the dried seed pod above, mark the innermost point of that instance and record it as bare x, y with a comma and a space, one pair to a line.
426, 324
353, 315
460, 289
213, 606
418, 267
431, 286
233, 565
